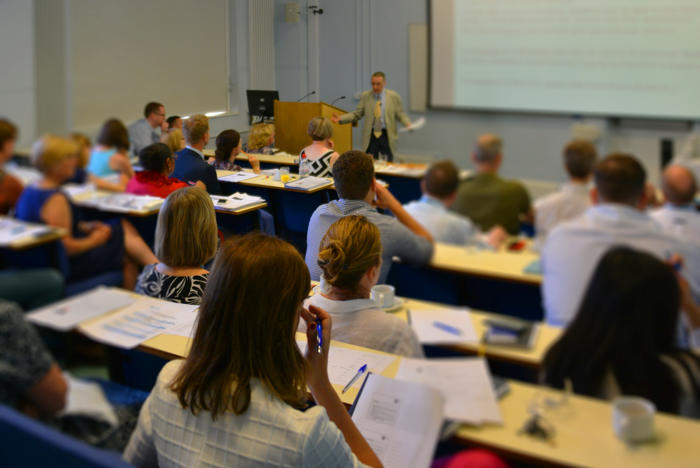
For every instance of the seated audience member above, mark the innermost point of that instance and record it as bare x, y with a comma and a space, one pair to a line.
158, 163
679, 217
487, 199
243, 384
623, 338
30, 380
320, 152
261, 139
439, 187
191, 164
572, 198
110, 154
228, 146
350, 257
10, 186
186, 238
31, 288
574, 247
174, 123
93, 247
360, 194
84, 145
174, 139
143, 132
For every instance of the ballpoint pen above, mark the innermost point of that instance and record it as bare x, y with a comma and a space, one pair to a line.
447, 328
359, 373
319, 334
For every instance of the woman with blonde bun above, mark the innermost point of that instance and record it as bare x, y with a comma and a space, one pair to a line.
350, 258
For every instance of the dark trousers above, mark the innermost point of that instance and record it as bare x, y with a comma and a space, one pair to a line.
380, 145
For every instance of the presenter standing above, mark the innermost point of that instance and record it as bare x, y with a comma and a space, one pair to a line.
382, 108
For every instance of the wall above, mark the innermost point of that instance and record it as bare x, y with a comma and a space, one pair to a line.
17, 85
361, 36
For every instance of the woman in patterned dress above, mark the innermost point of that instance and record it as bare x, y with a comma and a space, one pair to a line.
186, 239
320, 152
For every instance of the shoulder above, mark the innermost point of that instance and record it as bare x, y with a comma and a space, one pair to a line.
366, 95
11, 317
324, 444
391, 94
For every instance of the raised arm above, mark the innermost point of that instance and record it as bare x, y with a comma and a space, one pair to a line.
385, 200
351, 117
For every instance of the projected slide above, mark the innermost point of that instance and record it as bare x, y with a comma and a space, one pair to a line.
605, 57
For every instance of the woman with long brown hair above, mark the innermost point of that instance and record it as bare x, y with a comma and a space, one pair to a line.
237, 398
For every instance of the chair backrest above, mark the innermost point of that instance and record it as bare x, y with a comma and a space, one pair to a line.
28, 443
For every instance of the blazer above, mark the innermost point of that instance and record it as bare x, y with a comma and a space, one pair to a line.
393, 111
190, 167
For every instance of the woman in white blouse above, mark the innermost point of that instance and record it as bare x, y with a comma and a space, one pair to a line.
350, 257
238, 398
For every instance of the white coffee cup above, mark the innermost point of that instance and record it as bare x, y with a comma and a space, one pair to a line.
633, 418
383, 295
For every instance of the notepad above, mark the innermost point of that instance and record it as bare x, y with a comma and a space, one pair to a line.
238, 177
67, 314
443, 326
139, 322
511, 332
400, 420
308, 183
236, 201
465, 383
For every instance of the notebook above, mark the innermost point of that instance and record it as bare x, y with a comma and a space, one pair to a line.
511, 332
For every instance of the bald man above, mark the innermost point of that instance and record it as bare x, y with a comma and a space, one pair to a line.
679, 217
486, 198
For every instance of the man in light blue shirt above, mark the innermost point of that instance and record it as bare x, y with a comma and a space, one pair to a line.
439, 187
143, 132
402, 236
617, 218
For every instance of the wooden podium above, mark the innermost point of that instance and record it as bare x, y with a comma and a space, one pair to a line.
292, 120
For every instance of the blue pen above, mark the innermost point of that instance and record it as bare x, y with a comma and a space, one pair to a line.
448, 328
319, 334
359, 373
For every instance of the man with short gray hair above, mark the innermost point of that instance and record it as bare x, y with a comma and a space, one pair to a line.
486, 198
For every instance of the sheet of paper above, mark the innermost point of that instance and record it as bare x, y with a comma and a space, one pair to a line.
67, 314
400, 420
185, 327
238, 176
87, 399
123, 202
139, 322
415, 125
13, 230
434, 326
343, 363
465, 383
28, 175
75, 191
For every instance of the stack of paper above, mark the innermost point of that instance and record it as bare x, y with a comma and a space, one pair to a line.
403, 169
400, 420
238, 177
443, 326
465, 384
139, 322
13, 230
308, 183
69, 313
124, 203
236, 201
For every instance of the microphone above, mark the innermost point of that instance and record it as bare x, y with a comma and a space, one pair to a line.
337, 99
305, 96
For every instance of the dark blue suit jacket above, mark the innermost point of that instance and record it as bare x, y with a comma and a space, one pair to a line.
190, 167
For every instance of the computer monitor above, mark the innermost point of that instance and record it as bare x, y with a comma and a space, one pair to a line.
261, 103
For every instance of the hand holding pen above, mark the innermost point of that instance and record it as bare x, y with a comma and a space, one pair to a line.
318, 336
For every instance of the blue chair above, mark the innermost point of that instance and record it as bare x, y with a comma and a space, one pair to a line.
27, 443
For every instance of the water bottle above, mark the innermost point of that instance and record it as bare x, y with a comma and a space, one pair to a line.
304, 165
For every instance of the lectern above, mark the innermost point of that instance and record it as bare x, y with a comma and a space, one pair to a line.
292, 120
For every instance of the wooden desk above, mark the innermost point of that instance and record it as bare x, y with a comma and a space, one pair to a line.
584, 435
502, 265
48, 234
532, 358
177, 347
267, 182
279, 159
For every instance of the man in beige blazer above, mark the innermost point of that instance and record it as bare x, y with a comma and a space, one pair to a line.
382, 108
